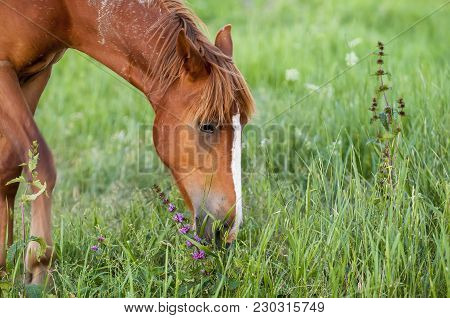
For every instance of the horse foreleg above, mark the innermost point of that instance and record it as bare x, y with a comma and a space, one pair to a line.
9, 166
41, 210
19, 128
7, 195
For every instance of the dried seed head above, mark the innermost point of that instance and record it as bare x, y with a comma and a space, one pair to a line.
383, 88
380, 61
156, 188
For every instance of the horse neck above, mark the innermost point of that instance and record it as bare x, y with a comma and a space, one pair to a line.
119, 34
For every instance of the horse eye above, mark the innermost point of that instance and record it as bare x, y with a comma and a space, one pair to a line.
208, 128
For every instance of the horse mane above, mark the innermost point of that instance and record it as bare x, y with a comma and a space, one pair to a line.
226, 90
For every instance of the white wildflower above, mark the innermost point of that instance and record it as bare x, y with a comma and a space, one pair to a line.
354, 42
120, 136
351, 58
311, 87
330, 91
265, 142
298, 132
292, 75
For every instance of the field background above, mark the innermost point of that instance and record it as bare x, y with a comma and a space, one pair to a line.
316, 230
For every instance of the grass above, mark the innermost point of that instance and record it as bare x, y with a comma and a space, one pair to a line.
313, 224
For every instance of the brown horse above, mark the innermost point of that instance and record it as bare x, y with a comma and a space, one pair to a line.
158, 47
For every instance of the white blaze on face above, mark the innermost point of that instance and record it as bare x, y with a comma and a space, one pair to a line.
236, 170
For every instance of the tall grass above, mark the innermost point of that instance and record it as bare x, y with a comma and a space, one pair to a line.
318, 229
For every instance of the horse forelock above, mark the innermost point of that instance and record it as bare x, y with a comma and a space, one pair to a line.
226, 91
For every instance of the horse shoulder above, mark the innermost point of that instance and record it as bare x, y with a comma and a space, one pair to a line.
31, 33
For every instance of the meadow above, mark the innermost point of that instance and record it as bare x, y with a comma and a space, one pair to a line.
314, 225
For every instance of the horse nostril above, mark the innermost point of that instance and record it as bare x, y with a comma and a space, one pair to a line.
226, 226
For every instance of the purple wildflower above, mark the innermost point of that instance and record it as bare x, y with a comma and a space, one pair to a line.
197, 238
189, 243
184, 229
95, 248
165, 201
171, 207
101, 238
178, 217
198, 255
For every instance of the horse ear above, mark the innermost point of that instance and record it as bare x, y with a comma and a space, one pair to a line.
193, 61
224, 41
